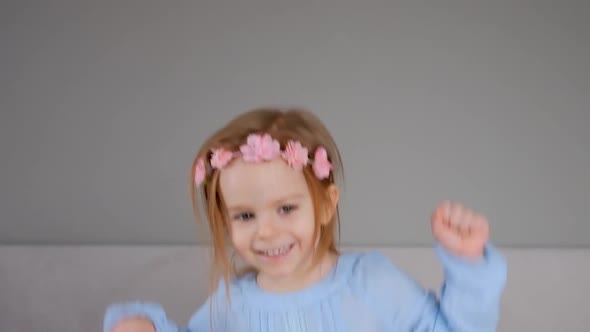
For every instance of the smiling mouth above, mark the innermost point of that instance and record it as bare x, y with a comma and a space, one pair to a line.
276, 252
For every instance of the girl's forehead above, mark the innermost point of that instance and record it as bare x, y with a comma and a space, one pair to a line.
255, 182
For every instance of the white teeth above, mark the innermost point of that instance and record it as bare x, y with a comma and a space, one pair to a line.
277, 251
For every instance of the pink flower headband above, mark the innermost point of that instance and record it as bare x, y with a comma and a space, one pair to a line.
264, 148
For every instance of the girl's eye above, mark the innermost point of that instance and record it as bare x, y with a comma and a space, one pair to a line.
286, 209
245, 216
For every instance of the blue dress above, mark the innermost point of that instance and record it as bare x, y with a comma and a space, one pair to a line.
365, 292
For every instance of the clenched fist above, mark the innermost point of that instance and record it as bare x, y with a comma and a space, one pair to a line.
460, 230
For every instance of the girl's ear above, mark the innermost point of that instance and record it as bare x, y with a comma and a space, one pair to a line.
333, 196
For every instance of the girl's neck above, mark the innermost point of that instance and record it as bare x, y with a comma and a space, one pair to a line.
301, 280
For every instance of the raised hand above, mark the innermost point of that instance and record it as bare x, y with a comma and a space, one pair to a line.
460, 230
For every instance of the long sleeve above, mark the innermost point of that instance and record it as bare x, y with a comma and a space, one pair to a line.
149, 310
469, 299
472, 291
206, 318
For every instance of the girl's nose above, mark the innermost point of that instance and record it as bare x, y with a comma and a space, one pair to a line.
267, 228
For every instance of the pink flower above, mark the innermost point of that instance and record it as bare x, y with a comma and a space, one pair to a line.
200, 171
221, 157
321, 165
259, 148
296, 155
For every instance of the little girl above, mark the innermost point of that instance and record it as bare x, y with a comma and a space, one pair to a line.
266, 183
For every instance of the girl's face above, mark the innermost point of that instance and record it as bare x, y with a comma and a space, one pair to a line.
271, 218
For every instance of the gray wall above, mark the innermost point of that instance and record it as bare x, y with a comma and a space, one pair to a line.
104, 103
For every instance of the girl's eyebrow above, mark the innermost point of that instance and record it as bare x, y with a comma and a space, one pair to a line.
287, 198
245, 207
237, 208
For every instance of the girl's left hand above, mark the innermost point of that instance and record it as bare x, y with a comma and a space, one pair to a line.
460, 230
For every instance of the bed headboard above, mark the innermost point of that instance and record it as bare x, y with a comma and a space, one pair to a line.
66, 289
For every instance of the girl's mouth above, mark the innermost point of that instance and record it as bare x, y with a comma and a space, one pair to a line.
276, 252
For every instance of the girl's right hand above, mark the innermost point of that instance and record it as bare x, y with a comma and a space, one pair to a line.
134, 325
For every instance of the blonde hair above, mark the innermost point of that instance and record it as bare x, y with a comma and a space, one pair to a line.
283, 125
